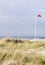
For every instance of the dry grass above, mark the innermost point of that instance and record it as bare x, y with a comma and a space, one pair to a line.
22, 52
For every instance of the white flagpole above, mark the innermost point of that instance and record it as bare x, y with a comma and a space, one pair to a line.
35, 29
39, 16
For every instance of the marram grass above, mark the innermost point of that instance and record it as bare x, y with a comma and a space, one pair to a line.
22, 52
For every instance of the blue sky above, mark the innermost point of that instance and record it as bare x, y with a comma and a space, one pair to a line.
17, 17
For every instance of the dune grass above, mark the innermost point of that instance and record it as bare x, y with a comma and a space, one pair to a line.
22, 52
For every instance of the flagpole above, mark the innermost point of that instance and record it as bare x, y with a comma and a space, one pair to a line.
35, 29
39, 16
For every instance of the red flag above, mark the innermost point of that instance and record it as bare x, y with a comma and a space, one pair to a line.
39, 15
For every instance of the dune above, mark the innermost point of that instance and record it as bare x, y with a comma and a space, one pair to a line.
22, 52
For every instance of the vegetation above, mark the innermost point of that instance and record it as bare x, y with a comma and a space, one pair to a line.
22, 52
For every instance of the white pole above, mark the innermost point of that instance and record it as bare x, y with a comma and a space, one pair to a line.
39, 16
35, 29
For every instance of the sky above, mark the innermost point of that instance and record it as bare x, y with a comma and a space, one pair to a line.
18, 17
